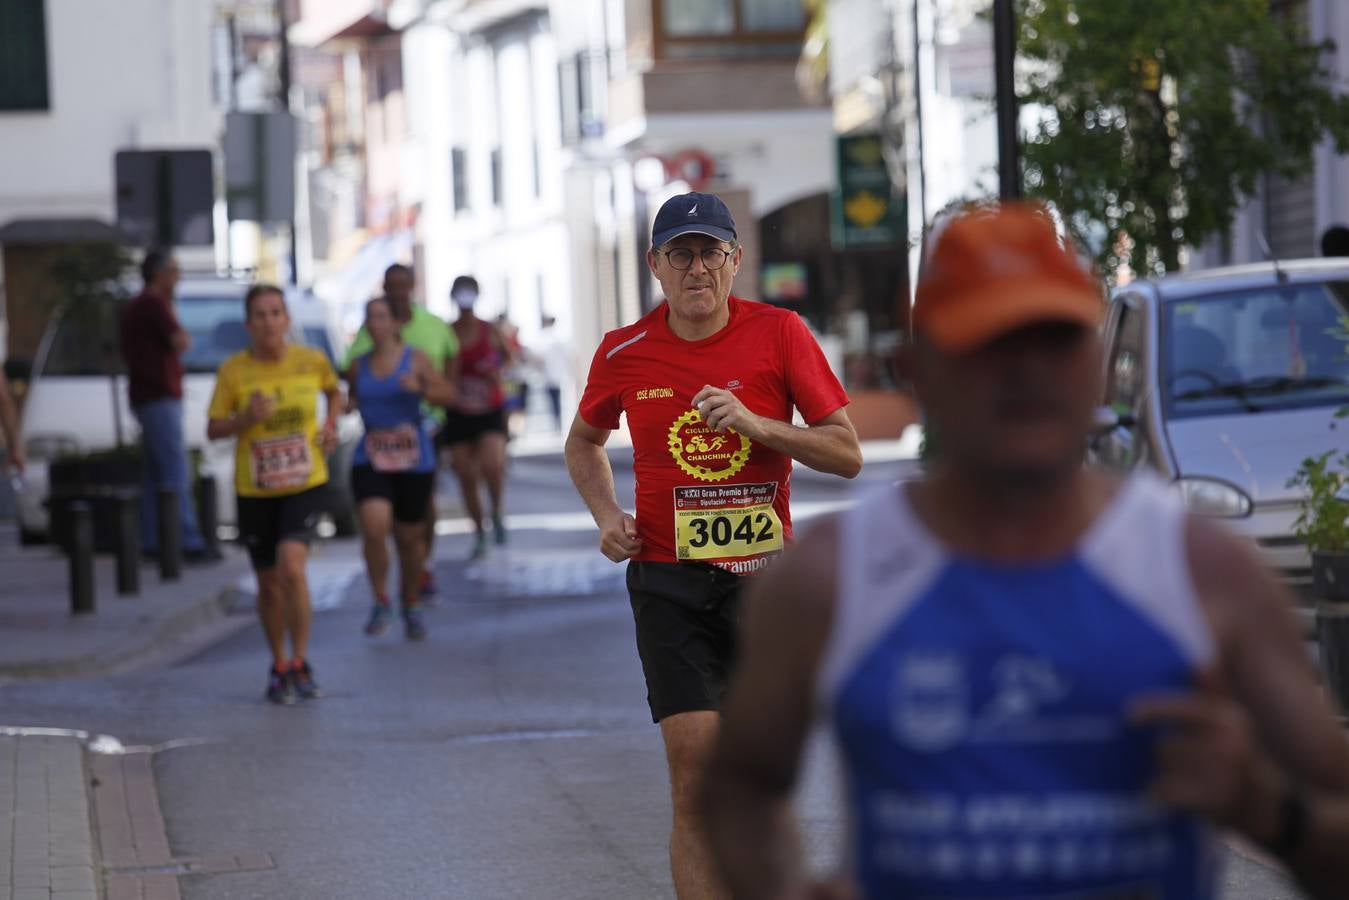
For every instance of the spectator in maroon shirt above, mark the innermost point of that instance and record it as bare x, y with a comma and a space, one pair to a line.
152, 346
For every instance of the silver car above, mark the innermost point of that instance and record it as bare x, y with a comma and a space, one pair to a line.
1224, 381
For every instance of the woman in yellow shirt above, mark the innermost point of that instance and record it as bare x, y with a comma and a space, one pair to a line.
267, 398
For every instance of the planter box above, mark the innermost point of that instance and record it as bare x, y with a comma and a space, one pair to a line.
100, 482
1330, 578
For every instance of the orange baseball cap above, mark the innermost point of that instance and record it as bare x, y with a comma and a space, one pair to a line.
994, 269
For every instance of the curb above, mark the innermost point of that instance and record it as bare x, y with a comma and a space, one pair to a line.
191, 618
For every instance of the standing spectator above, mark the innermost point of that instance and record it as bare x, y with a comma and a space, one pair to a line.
9, 428
153, 344
555, 362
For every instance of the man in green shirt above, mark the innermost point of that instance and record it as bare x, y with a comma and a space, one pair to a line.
430, 334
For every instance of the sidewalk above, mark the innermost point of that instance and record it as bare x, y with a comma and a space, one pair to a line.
43, 639
46, 844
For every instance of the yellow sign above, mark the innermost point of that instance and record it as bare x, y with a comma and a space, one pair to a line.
865, 209
727, 522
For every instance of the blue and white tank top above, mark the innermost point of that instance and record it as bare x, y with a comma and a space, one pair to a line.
981, 709
395, 440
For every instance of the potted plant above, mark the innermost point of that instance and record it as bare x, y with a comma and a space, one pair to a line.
1323, 527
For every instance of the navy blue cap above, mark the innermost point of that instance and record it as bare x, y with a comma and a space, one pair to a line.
693, 213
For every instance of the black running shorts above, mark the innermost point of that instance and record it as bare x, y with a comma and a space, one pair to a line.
686, 616
462, 428
408, 492
264, 522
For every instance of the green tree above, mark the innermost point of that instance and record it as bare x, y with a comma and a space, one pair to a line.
1163, 115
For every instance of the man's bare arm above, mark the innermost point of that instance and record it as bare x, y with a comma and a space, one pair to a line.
829, 445
1258, 729
765, 722
588, 465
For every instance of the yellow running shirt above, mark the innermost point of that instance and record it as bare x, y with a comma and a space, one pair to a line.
281, 455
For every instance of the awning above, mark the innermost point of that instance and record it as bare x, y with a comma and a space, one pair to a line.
362, 276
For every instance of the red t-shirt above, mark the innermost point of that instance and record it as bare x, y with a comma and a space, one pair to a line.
704, 496
154, 369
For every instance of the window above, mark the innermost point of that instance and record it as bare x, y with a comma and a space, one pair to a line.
1250, 351
23, 56
704, 29
459, 178
496, 176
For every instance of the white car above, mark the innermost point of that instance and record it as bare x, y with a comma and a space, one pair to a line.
69, 407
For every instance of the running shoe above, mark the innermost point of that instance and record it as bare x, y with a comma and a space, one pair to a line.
413, 626
429, 590
281, 687
380, 617
303, 678
499, 529
479, 546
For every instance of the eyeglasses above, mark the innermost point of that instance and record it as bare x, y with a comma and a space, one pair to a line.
681, 258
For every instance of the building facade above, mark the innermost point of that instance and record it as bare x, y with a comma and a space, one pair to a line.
78, 83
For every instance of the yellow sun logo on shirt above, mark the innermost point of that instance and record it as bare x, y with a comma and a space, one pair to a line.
706, 454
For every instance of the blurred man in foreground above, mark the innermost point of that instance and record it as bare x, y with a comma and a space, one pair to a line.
1045, 682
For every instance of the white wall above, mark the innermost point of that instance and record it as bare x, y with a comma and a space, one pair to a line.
478, 96
135, 73
780, 156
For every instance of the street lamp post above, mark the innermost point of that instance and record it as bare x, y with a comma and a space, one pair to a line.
1004, 53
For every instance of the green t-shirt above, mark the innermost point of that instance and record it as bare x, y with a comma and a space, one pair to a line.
426, 331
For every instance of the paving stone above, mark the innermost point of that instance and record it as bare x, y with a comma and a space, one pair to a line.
72, 879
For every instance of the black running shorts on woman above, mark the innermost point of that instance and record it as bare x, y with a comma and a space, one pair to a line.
264, 522
686, 616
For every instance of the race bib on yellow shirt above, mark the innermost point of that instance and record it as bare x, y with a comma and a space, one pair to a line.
282, 453
396, 449
281, 462
726, 522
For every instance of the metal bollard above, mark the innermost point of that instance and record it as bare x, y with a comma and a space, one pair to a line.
128, 545
81, 555
207, 514
170, 536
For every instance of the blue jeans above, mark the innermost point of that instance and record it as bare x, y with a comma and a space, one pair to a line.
165, 467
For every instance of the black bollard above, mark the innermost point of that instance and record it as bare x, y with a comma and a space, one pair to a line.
81, 555
207, 515
128, 544
170, 536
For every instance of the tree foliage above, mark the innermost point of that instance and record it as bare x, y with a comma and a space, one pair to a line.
1162, 116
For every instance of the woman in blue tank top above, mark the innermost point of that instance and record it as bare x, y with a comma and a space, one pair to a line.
394, 468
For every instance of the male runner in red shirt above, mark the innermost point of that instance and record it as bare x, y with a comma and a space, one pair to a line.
708, 382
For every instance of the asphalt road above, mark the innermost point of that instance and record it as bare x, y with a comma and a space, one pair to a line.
509, 756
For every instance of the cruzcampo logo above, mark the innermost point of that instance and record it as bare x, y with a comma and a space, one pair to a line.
706, 454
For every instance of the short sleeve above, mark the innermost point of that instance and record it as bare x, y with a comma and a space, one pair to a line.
814, 387
362, 345
224, 399
601, 401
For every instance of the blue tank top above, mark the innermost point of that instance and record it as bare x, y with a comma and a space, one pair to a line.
981, 709
394, 440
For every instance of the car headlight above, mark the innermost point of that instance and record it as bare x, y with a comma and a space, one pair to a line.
1211, 497
51, 446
